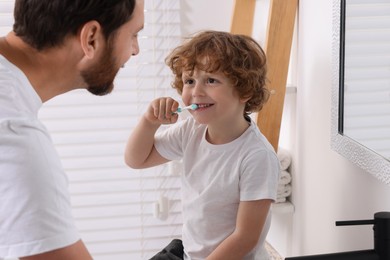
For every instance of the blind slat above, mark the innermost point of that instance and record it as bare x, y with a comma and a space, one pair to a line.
367, 73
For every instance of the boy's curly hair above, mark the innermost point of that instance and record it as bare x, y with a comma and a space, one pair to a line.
240, 58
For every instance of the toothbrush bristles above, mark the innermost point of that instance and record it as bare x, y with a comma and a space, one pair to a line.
194, 106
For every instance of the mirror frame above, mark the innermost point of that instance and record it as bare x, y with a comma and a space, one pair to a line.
358, 154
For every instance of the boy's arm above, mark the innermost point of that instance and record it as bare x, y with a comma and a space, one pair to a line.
76, 251
140, 151
251, 218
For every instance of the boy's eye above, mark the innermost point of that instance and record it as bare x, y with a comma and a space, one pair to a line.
188, 81
211, 80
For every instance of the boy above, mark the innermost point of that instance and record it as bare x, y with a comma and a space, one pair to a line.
230, 172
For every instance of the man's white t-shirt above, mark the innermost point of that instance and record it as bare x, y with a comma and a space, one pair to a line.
215, 179
35, 210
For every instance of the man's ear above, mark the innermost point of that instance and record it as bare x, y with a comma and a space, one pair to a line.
91, 37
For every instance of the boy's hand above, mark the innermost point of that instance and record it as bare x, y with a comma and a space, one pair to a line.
140, 151
161, 111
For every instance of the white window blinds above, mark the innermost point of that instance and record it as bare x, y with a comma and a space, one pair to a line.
367, 74
113, 204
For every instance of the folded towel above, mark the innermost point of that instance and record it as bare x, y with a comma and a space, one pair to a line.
284, 191
281, 188
284, 158
285, 177
280, 200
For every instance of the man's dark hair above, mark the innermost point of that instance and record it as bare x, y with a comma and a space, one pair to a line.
45, 23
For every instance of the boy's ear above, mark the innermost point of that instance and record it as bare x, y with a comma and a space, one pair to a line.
91, 37
245, 99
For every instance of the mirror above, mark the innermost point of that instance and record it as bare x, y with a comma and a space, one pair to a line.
361, 84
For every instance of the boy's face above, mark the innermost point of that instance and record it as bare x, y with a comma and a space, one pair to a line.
216, 97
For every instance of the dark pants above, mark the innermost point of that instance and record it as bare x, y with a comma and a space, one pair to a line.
173, 251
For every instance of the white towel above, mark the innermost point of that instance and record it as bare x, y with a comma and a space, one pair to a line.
285, 177
284, 191
284, 158
280, 200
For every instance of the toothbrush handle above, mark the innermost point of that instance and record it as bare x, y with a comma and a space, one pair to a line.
181, 109
178, 111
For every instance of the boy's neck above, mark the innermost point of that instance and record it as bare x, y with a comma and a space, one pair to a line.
228, 133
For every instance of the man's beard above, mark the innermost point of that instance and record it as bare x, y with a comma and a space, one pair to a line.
100, 78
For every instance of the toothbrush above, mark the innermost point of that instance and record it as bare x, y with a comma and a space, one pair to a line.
190, 107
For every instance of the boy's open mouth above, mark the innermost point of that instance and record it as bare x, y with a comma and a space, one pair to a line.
204, 105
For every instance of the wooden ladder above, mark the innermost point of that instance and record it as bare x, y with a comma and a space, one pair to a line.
277, 47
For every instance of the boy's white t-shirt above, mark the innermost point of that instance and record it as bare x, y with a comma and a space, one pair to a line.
35, 210
215, 179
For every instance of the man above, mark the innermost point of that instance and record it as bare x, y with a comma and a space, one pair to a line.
55, 46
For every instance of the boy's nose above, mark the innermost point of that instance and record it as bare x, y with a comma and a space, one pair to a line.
198, 90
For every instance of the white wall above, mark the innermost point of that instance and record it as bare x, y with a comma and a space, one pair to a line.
326, 186
205, 15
